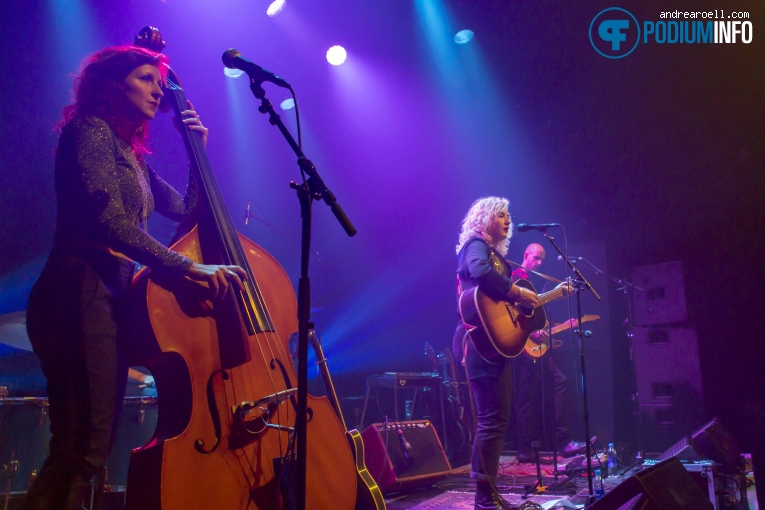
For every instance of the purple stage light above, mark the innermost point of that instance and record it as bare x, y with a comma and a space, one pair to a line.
463, 36
232, 73
336, 55
275, 7
287, 104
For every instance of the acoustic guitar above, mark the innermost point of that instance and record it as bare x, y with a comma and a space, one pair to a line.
368, 493
539, 349
499, 329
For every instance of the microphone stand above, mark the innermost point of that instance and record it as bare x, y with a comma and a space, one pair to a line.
627, 288
580, 282
312, 188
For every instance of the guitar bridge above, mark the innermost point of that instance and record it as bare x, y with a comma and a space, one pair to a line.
512, 312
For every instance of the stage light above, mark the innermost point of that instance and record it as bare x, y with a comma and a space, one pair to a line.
288, 104
232, 73
463, 36
275, 7
336, 55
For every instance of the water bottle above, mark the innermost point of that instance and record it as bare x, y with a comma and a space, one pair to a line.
611, 460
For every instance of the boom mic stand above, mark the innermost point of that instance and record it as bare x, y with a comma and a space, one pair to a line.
313, 188
627, 288
580, 282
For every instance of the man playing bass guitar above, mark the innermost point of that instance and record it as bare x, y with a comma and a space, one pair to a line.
528, 379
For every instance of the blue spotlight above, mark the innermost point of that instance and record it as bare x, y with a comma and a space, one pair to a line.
275, 7
463, 36
232, 73
336, 55
287, 104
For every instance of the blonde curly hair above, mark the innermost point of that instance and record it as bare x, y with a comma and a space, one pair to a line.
477, 220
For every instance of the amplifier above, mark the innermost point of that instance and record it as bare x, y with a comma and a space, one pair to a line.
404, 455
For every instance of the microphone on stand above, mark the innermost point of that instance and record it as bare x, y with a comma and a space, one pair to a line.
572, 259
406, 447
234, 60
247, 214
523, 227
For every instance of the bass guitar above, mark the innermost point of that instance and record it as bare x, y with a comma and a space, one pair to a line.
499, 329
539, 349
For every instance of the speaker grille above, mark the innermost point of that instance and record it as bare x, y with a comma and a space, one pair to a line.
402, 455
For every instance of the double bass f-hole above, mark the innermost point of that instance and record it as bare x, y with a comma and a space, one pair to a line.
213, 409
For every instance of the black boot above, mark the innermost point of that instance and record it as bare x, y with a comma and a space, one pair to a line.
487, 498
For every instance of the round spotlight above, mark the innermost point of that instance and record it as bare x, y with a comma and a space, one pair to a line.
336, 55
275, 7
287, 104
232, 73
463, 36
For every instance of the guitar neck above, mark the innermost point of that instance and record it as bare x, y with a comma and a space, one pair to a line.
550, 296
567, 325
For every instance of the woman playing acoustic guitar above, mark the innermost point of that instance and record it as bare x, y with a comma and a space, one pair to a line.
483, 242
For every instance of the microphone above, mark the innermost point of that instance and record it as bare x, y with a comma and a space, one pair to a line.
523, 227
247, 215
406, 447
572, 259
234, 60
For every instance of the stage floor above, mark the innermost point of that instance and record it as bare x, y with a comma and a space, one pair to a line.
457, 491
571, 490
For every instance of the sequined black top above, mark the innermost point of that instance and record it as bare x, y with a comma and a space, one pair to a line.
103, 193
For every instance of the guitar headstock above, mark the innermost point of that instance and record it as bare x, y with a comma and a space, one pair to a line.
566, 286
430, 354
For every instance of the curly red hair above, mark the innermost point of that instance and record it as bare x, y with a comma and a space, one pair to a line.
99, 81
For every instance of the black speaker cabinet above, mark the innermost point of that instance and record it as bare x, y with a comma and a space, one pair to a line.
404, 455
664, 486
710, 442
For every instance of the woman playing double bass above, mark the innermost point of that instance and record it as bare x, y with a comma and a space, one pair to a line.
76, 313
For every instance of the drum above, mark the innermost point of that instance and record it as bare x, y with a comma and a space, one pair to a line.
24, 437
25, 434
135, 428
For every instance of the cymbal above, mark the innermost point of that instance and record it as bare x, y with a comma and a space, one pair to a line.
13, 330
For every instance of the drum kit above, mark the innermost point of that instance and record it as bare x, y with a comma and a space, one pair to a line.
25, 427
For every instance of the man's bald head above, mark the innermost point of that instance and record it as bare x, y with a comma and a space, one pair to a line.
533, 256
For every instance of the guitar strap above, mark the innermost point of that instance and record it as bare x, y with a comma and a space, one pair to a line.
549, 278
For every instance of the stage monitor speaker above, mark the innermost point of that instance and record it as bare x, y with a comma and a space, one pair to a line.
710, 442
404, 455
663, 486
661, 298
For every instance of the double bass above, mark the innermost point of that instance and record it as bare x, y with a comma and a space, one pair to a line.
225, 429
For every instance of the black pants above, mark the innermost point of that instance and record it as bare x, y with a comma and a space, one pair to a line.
491, 385
540, 387
492, 396
72, 321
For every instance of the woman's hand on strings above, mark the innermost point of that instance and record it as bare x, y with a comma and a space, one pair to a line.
191, 120
218, 278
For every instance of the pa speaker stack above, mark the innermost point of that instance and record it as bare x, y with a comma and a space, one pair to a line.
404, 455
